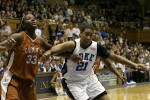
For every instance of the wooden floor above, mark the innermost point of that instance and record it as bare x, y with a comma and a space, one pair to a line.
133, 92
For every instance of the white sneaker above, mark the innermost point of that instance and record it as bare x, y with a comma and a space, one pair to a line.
128, 83
132, 82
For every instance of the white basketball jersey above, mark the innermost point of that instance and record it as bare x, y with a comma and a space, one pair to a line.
79, 71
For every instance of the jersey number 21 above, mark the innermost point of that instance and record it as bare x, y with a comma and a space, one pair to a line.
82, 66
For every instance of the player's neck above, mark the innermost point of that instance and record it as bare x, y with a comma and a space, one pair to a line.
31, 33
84, 46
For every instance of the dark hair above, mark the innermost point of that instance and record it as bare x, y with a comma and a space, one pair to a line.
84, 26
22, 22
20, 27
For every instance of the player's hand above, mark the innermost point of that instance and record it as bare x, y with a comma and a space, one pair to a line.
45, 56
2, 48
76, 58
10, 43
141, 66
123, 78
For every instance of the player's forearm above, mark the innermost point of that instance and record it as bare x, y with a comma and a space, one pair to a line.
122, 60
2, 48
55, 50
52, 52
111, 67
114, 70
64, 54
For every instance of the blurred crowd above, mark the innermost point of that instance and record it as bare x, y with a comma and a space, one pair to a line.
110, 13
67, 18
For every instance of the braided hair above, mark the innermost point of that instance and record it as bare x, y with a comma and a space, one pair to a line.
20, 27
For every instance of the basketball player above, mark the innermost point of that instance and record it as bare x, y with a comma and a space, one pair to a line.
17, 82
80, 82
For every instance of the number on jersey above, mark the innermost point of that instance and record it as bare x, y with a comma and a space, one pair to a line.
82, 66
32, 59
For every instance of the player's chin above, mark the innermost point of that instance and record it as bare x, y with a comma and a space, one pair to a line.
86, 41
34, 27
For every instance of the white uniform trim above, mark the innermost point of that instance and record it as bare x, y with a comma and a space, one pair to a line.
6, 78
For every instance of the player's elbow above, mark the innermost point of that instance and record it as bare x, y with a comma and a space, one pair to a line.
107, 62
113, 57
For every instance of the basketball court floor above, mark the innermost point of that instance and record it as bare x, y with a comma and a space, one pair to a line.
131, 92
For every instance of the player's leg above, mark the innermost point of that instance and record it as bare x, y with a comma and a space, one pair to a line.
12, 93
95, 89
9, 88
75, 90
29, 91
66, 89
102, 96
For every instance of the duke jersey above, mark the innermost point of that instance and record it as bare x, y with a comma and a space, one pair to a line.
77, 71
23, 61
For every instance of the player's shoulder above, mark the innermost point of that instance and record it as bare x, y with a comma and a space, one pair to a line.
70, 44
41, 40
18, 37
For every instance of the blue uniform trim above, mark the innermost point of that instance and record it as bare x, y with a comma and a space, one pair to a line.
66, 89
100, 95
64, 69
102, 52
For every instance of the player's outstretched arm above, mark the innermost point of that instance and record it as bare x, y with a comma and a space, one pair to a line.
112, 68
64, 50
124, 61
60, 48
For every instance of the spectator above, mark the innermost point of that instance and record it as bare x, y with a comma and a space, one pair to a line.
56, 84
70, 32
69, 11
5, 31
53, 66
19, 12
104, 33
38, 32
45, 67
76, 31
1, 66
1, 23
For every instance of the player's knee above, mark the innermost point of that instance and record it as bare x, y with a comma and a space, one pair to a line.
102, 96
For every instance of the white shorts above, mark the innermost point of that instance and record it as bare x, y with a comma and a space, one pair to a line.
85, 89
